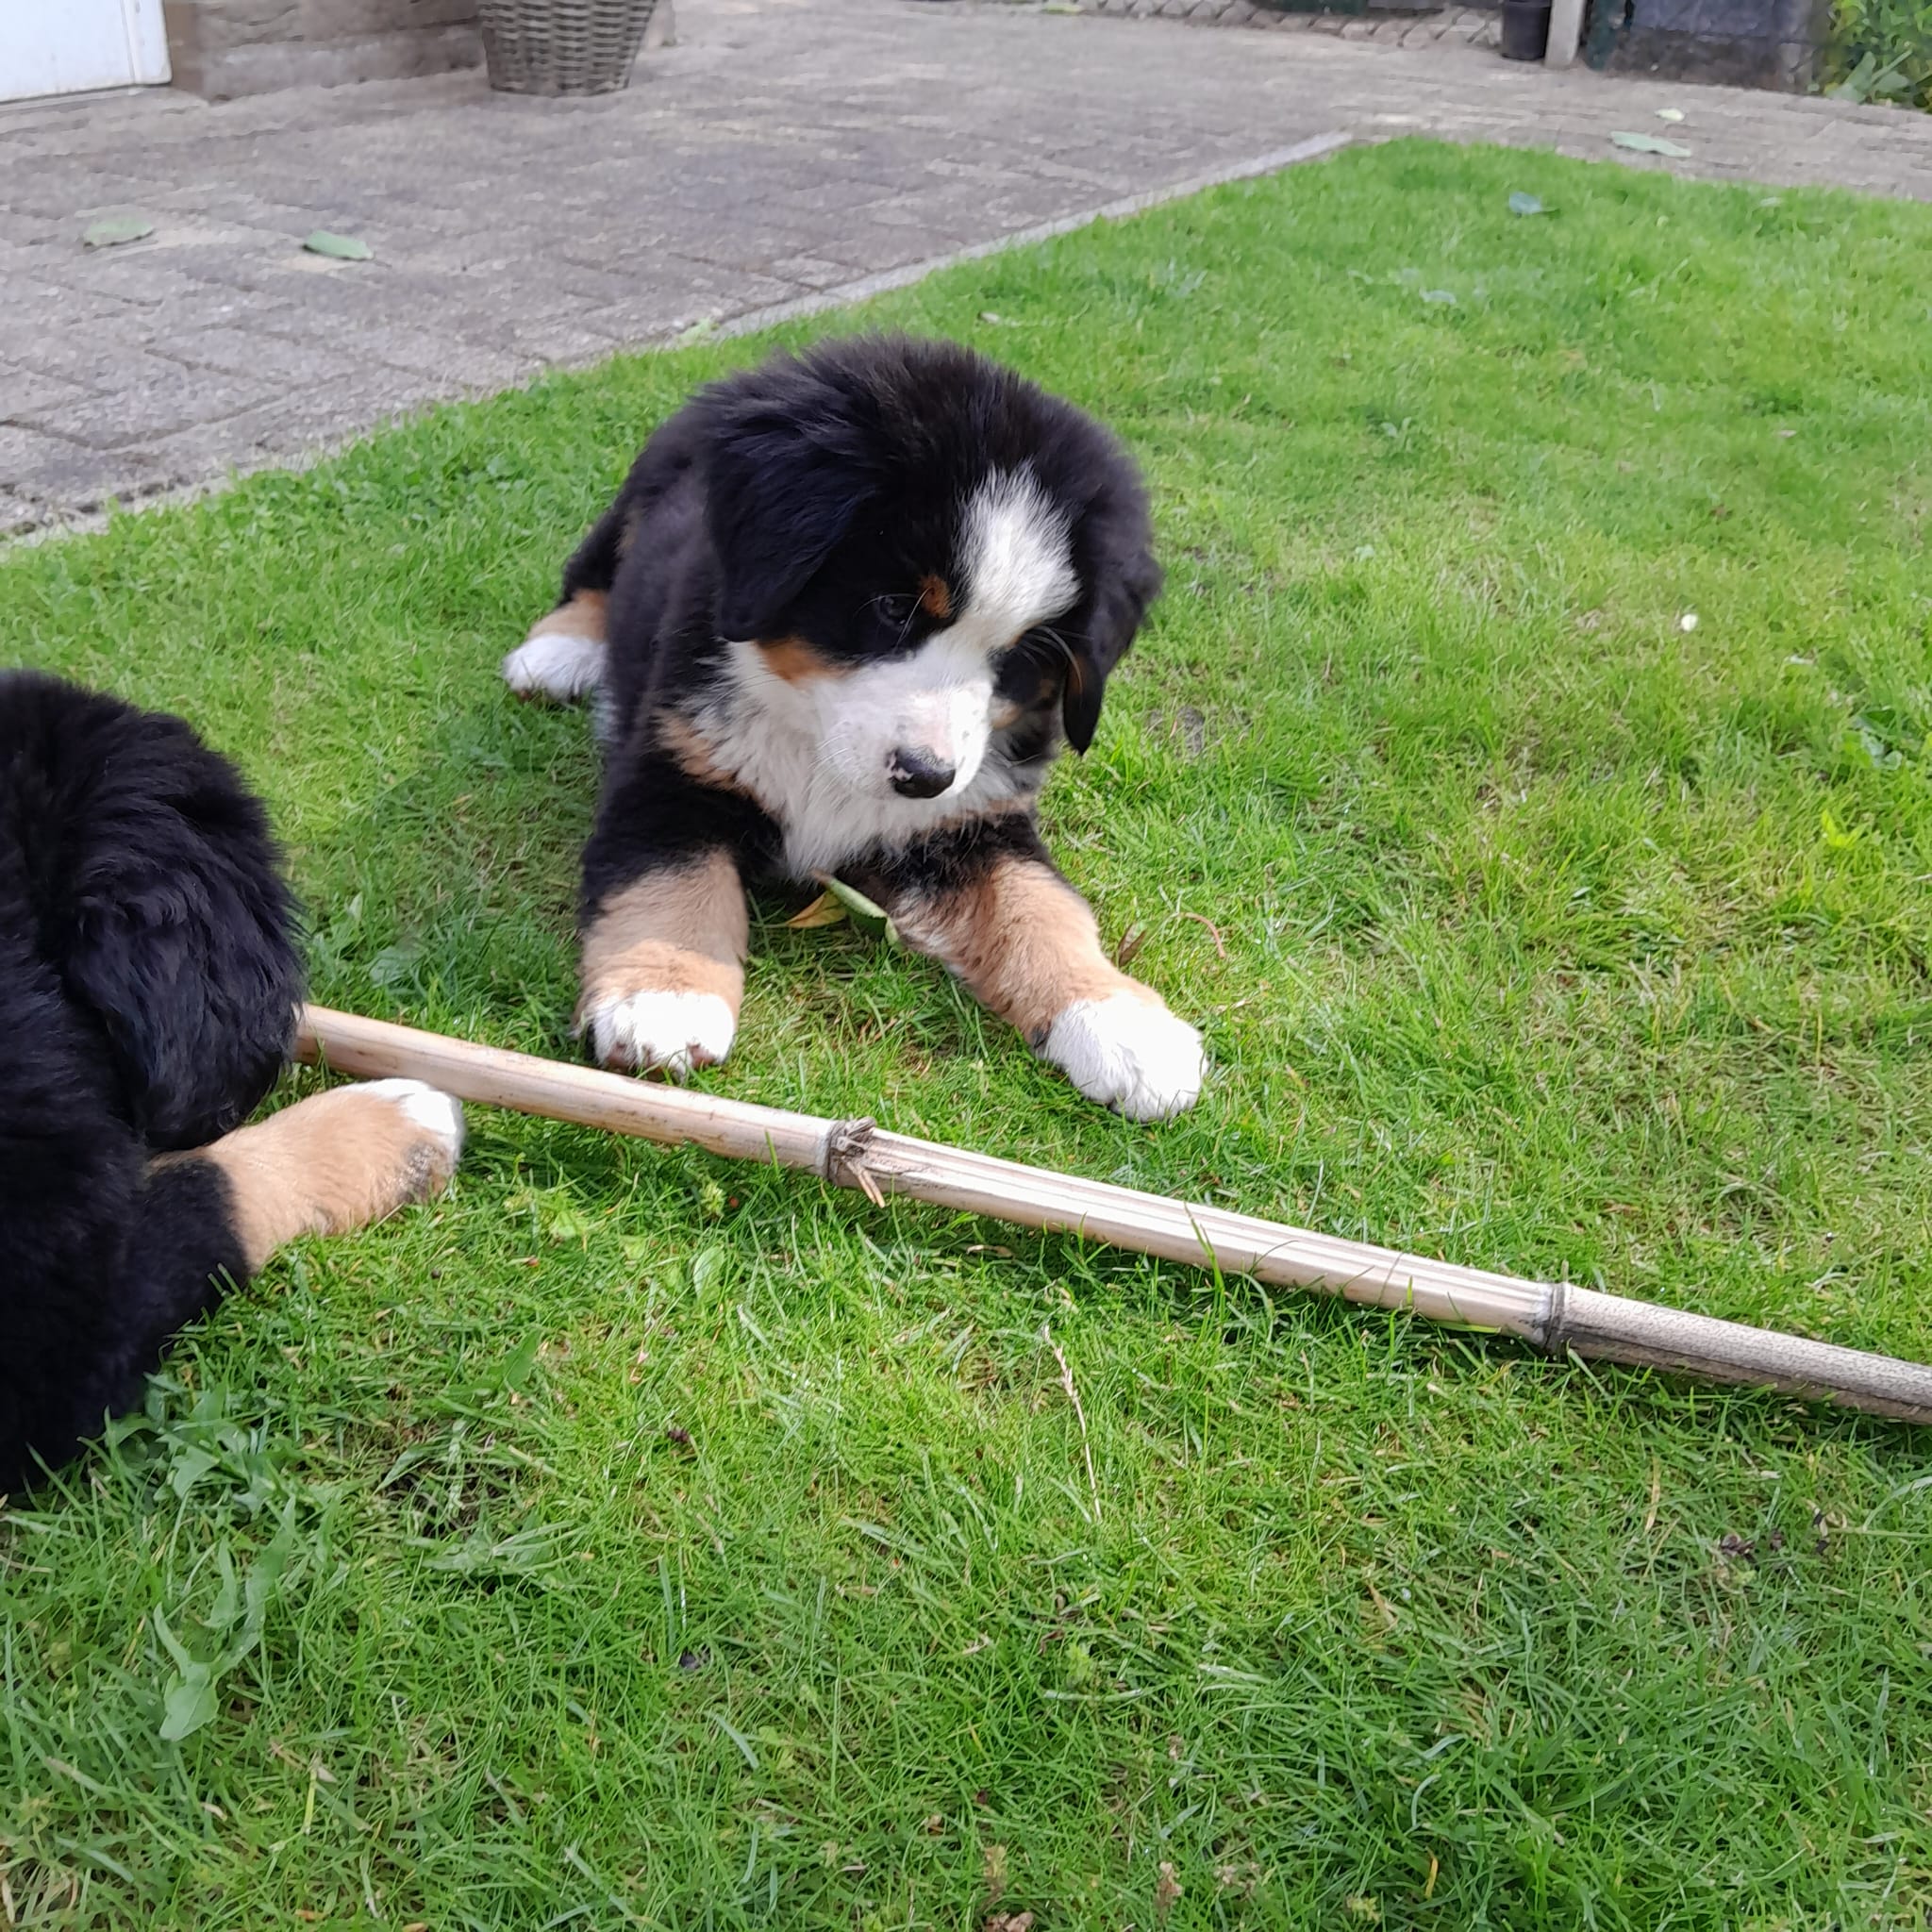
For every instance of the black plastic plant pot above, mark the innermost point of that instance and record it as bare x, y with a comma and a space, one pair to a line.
1525, 29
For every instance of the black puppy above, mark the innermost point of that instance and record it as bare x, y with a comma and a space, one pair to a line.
842, 615
148, 986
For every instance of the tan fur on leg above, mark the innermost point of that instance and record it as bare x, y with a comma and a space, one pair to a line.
336, 1162
585, 616
664, 957
1028, 945
1023, 940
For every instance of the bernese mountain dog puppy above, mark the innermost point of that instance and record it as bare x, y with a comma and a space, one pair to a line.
149, 979
839, 620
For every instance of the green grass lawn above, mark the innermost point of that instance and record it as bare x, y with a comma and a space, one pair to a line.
638, 1540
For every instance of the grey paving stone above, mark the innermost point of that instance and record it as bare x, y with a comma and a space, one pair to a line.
778, 151
26, 392
292, 425
23, 452
257, 353
443, 364
131, 415
58, 475
18, 516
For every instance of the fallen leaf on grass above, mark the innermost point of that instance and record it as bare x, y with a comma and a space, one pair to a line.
111, 230
862, 912
1167, 1889
1009, 1922
337, 247
823, 911
1652, 144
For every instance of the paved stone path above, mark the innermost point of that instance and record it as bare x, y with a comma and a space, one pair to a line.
785, 151
1456, 22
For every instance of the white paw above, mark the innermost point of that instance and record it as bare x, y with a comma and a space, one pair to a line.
676, 1031
434, 1112
555, 665
1128, 1053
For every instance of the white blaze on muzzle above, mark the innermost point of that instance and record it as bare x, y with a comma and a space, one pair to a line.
912, 721
931, 712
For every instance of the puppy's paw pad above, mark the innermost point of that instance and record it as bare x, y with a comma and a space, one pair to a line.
673, 1032
1128, 1053
554, 666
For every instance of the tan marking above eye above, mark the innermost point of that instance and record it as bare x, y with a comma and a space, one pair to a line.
935, 596
794, 659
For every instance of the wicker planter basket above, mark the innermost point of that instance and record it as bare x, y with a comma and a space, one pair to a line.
562, 46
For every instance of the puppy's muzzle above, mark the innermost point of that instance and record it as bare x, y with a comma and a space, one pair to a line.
918, 773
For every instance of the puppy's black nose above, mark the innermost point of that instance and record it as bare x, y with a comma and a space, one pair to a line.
918, 773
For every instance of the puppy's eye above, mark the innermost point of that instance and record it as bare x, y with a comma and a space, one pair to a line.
895, 611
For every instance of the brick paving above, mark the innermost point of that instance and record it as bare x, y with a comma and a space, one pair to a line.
784, 153
1417, 26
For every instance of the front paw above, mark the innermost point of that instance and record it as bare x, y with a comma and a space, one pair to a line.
1129, 1053
423, 1144
670, 1032
555, 668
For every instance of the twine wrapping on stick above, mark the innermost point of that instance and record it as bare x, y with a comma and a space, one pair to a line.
1558, 1318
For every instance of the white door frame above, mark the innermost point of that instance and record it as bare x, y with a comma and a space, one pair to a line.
77, 46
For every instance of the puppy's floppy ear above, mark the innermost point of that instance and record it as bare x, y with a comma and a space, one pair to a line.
784, 487
180, 936
1128, 581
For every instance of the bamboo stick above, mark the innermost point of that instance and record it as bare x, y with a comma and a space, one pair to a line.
1557, 1317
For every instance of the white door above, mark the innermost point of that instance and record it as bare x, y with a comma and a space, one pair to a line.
70, 46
